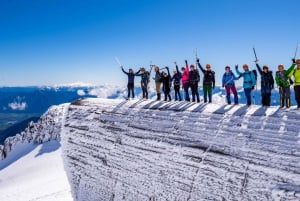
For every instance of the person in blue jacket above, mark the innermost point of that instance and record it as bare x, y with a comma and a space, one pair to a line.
130, 84
176, 82
248, 83
267, 84
228, 83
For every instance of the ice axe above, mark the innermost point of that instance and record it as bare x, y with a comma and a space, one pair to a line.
256, 60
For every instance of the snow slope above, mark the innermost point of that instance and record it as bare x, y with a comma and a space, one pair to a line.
148, 150
34, 172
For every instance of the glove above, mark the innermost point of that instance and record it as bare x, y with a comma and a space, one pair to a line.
293, 60
252, 87
240, 76
185, 61
167, 67
236, 66
256, 61
197, 60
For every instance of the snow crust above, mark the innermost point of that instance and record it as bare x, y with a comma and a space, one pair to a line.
149, 150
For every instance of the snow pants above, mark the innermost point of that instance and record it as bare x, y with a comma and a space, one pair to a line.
207, 92
186, 91
285, 94
233, 89
297, 94
130, 87
177, 92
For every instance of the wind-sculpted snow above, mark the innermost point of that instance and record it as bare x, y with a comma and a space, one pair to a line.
156, 151
47, 128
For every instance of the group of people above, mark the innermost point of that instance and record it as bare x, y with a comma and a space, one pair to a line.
188, 78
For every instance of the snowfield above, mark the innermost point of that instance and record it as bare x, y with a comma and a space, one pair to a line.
156, 151
34, 172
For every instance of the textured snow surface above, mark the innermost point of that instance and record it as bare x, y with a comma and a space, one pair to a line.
148, 150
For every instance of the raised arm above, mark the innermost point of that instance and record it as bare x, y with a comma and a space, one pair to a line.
237, 70
168, 70
177, 69
138, 72
124, 70
201, 68
259, 69
187, 70
290, 70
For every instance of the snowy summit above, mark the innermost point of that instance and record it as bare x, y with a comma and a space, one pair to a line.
155, 150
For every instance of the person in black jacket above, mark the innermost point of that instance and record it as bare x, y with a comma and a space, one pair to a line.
166, 80
194, 80
267, 84
208, 81
130, 84
176, 82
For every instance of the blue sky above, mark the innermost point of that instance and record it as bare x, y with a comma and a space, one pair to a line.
58, 41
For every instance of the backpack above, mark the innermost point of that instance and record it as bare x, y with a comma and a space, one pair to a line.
255, 73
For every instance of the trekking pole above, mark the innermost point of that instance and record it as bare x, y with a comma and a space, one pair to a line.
296, 50
118, 61
196, 55
195, 52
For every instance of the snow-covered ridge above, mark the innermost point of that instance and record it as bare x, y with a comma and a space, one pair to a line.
47, 128
149, 150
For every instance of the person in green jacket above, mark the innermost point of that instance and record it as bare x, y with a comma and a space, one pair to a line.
282, 80
296, 74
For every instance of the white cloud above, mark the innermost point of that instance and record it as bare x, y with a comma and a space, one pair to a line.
81, 92
18, 104
75, 84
